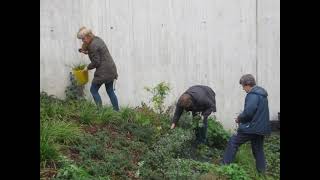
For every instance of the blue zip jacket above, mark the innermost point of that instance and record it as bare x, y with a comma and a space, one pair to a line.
255, 117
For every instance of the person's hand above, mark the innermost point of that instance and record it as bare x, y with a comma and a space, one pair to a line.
82, 51
237, 120
173, 125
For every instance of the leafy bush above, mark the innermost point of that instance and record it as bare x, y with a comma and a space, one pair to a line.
138, 144
217, 136
87, 112
143, 119
233, 172
127, 114
71, 171
187, 169
48, 150
53, 133
143, 134
62, 131
272, 153
103, 154
114, 165
79, 66
187, 121
74, 91
177, 168
159, 93
108, 115
146, 117
52, 108
92, 147
163, 151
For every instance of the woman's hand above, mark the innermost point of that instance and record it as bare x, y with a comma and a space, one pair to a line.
173, 125
82, 51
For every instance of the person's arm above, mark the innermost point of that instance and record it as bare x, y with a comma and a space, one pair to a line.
84, 49
176, 116
95, 57
250, 108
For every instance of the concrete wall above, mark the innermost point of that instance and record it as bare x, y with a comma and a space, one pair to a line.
268, 66
183, 42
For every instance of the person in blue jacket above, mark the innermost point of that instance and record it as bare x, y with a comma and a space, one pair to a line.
253, 122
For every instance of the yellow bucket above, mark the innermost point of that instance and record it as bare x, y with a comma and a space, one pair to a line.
81, 76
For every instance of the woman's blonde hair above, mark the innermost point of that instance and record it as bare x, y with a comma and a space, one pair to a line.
83, 31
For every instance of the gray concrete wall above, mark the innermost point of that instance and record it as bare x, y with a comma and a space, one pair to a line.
183, 42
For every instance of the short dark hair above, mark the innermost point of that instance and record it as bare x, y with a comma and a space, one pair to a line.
247, 79
185, 100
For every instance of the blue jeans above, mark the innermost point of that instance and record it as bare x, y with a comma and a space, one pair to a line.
94, 89
256, 145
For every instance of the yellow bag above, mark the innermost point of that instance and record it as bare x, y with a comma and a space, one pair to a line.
81, 76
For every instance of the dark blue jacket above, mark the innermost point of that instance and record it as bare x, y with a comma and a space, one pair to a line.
255, 117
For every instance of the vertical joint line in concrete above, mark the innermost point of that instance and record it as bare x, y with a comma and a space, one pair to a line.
257, 45
110, 24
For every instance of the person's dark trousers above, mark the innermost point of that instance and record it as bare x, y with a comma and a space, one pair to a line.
201, 132
96, 96
257, 149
